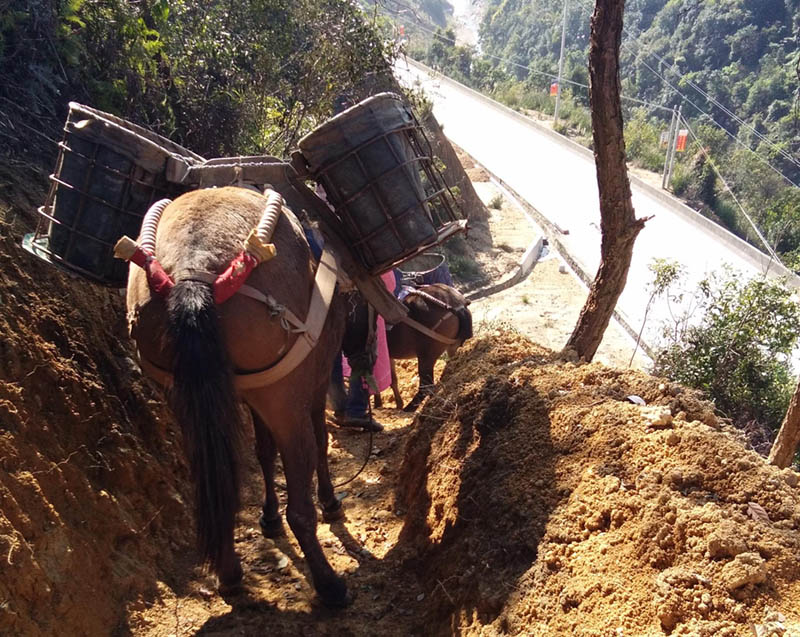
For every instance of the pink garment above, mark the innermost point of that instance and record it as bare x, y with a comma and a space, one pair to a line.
383, 367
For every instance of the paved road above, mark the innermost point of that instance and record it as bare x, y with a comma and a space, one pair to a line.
561, 183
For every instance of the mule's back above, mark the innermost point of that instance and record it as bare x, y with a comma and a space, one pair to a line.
201, 232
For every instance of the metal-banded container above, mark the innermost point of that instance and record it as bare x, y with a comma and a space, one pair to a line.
378, 172
425, 269
108, 173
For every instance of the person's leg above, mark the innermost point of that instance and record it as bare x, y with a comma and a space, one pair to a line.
336, 391
357, 397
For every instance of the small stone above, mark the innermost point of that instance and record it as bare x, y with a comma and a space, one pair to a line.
790, 477
612, 484
726, 541
746, 568
672, 439
662, 387
706, 599
420, 597
657, 417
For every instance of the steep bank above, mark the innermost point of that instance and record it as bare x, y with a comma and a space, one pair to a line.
541, 501
93, 497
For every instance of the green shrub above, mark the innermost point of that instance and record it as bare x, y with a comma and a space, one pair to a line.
739, 352
642, 142
681, 179
496, 202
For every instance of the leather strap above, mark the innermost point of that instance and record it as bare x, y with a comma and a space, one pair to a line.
321, 295
429, 332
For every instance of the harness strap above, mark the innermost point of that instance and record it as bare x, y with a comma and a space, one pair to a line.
429, 332
321, 295
432, 299
248, 290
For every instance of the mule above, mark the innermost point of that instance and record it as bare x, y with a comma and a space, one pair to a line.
205, 346
442, 309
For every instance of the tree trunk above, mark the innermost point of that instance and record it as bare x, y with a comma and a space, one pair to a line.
788, 440
618, 222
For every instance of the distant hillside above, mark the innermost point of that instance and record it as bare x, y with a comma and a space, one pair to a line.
743, 53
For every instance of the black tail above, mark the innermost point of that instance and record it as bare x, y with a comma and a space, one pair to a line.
204, 402
464, 323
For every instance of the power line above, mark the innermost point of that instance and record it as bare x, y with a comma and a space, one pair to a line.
732, 194
734, 137
718, 104
527, 68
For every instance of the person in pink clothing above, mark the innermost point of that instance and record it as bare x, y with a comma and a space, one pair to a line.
351, 407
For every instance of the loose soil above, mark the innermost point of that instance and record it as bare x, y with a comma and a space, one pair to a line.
528, 497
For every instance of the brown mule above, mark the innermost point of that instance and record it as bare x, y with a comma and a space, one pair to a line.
205, 346
442, 309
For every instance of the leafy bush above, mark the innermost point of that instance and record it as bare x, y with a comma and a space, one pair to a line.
222, 78
496, 202
681, 179
739, 352
642, 143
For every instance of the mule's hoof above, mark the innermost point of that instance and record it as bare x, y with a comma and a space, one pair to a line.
336, 595
231, 583
333, 513
271, 528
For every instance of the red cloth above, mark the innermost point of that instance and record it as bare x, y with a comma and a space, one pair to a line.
229, 282
158, 280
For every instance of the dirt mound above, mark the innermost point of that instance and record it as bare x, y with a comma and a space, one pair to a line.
92, 485
541, 501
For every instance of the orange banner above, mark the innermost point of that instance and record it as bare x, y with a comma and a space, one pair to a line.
680, 143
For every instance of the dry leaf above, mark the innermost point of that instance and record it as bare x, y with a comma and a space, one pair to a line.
757, 512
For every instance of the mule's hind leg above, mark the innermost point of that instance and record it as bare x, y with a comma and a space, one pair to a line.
398, 399
297, 445
293, 432
331, 507
270, 520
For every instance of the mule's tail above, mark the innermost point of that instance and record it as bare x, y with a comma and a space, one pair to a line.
204, 402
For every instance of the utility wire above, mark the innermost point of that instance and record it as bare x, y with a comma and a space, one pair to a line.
710, 162
440, 36
717, 103
734, 137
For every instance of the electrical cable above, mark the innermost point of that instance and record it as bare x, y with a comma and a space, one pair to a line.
769, 248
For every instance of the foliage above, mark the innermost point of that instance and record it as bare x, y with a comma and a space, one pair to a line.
222, 78
739, 352
665, 273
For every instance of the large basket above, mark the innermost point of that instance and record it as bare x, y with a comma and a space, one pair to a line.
377, 169
108, 173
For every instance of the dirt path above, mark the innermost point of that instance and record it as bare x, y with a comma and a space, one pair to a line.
546, 305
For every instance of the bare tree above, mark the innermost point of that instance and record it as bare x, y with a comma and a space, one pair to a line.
618, 222
788, 440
